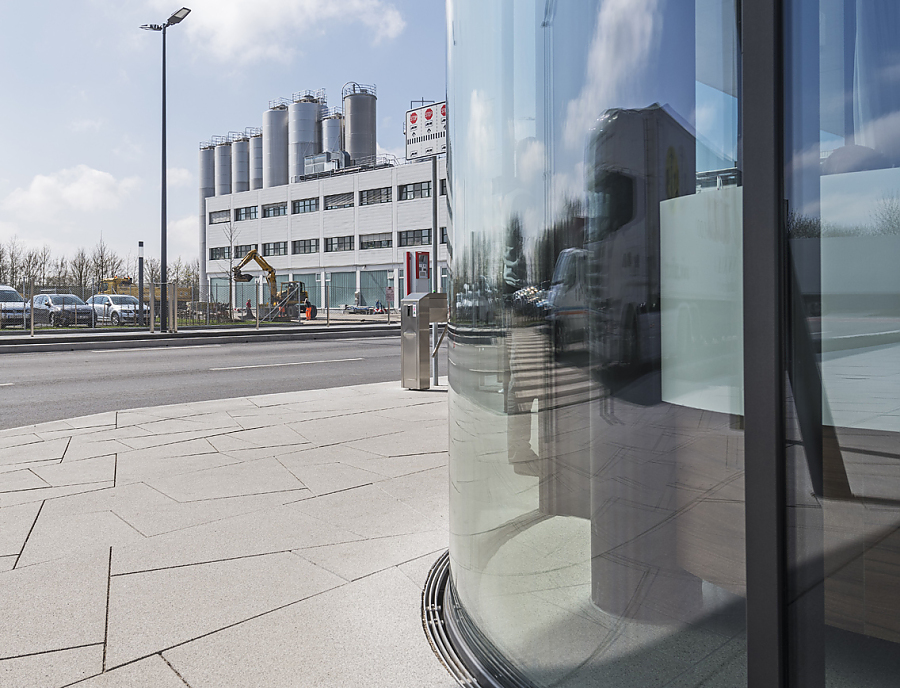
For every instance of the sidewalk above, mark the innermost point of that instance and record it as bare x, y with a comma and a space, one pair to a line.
279, 540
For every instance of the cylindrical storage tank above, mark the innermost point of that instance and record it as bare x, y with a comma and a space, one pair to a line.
256, 162
240, 165
223, 169
302, 134
275, 146
207, 189
330, 134
359, 121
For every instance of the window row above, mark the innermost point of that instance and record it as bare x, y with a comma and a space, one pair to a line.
414, 237
405, 192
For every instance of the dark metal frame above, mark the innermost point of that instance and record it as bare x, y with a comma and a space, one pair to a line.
764, 352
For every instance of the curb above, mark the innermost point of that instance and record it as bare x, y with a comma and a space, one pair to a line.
136, 340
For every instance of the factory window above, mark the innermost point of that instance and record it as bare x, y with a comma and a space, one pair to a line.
443, 187
243, 250
417, 190
218, 216
375, 240
333, 244
276, 248
373, 196
220, 253
443, 235
307, 205
305, 246
248, 213
341, 200
415, 237
274, 209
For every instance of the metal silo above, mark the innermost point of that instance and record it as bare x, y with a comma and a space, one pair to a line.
240, 163
275, 145
256, 158
330, 132
302, 133
223, 165
359, 121
207, 189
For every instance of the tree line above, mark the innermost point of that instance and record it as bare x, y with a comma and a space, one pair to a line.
20, 267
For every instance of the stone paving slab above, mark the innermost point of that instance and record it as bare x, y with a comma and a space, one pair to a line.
268, 541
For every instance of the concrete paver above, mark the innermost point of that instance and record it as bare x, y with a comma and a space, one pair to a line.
276, 540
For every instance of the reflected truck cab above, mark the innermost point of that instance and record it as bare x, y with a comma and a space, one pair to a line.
567, 299
634, 160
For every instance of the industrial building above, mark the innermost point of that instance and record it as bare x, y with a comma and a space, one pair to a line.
310, 193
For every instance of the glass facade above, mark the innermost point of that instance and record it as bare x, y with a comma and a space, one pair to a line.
842, 189
602, 400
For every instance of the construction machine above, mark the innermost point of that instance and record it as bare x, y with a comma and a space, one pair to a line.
285, 302
126, 286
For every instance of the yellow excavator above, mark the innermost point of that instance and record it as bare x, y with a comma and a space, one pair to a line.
285, 303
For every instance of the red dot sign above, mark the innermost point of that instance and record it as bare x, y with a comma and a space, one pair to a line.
444, 110
429, 113
413, 118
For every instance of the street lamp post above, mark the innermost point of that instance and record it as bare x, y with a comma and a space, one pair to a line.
141, 283
174, 19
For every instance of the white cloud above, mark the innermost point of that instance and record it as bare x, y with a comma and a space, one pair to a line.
182, 238
82, 125
80, 188
178, 176
626, 34
239, 32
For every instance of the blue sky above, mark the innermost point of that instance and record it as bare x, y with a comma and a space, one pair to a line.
80, 112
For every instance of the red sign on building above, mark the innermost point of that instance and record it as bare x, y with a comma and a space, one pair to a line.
413, 118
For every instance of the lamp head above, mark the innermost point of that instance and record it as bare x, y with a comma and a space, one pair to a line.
178, 16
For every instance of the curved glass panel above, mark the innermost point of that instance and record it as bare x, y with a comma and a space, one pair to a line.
597, 517
842, 186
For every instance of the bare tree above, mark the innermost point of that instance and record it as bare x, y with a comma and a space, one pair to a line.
45, 264
4, 269
80, 269
13, 260
231, 233
105, 262
59, 271
886, 215
151, 267
31, 265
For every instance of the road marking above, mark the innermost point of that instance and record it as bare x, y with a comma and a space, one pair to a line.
7, 384
138, 349
279, 365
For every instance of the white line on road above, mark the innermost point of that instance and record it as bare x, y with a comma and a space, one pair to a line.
7, 384
293, 363
151, 348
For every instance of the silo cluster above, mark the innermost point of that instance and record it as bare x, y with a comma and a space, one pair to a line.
293, 131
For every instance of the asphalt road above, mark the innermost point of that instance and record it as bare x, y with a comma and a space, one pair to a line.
53, 386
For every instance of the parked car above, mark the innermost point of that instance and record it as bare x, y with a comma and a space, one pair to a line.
12, 307
62, 310
116, 309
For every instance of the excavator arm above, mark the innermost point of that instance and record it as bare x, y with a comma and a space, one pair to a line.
253, 254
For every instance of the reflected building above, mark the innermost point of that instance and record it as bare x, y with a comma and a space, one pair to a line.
627, 506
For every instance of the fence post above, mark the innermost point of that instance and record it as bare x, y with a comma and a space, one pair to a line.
32, 308
152, 308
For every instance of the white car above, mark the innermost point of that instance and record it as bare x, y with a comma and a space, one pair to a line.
12, 307
116, 309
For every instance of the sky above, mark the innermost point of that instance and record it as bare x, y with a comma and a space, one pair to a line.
81, 101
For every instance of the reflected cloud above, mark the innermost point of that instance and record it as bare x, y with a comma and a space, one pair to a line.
625, 34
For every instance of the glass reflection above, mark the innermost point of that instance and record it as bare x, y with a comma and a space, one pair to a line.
843, 232
597, 528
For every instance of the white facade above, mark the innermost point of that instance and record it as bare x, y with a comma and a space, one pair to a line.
358, 221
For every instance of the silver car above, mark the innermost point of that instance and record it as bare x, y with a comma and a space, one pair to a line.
116, 309
12, 307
